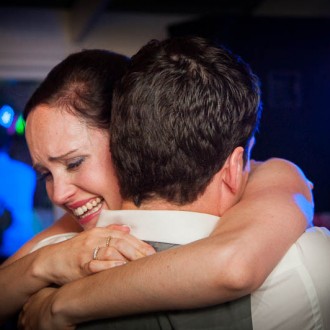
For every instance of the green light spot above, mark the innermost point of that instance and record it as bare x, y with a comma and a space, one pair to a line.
20, 125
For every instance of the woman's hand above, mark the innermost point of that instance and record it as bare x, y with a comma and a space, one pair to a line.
89, 252
37, 313
119, 248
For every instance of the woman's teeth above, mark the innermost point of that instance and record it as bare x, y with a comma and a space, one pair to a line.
89, 207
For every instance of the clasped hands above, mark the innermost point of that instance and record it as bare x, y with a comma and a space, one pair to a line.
88, 252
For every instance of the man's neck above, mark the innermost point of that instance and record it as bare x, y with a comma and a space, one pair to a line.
199, 206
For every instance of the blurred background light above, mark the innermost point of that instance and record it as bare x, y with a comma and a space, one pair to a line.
6, 116
20, 125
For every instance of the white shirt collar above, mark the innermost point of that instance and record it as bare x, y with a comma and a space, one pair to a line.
167, 226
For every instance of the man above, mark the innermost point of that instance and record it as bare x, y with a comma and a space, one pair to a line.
192, 153
183, 128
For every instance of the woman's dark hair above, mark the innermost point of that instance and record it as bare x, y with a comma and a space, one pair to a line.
83, 85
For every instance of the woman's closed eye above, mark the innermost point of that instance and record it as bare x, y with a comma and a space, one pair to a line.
75, 164
71, 165
42, 176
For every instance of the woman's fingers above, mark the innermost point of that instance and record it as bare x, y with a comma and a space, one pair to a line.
96, 266
66, 261
119, 246
128, 245
123, 228
107, 254
121, 239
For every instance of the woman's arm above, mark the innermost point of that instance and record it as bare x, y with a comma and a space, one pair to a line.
62, 262
251, 238
16, 273
276, 208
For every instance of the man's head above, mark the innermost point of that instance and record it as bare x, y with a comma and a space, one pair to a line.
178, 114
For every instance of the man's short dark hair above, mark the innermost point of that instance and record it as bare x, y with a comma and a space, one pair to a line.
182, 108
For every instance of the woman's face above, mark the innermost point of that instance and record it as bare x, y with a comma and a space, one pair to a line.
75, 162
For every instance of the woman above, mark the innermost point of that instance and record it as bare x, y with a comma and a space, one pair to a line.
22, 277
67, 121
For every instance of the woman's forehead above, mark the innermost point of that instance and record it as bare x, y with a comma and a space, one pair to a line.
49, 128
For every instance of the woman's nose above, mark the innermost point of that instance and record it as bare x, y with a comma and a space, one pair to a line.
60, 190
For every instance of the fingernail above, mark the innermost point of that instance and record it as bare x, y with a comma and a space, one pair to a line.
118, 263
139, 254
150, 252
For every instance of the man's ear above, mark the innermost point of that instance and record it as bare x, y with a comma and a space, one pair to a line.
228, 183
233, 170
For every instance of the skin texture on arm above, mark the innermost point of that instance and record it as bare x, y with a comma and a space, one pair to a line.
63, 262
16, 273
274, 211
251, 238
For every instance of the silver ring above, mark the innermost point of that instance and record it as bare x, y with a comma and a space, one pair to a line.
95, 252
107, 242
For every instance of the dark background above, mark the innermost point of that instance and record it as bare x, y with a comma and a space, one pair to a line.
291, 56
289, 50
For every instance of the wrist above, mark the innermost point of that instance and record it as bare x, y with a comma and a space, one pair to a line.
65, 307
58, 308
39, 268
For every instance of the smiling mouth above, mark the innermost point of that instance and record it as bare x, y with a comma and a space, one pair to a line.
90, 207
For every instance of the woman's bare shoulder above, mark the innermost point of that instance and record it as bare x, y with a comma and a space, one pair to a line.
63, 225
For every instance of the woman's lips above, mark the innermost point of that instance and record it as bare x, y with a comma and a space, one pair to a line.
91, 206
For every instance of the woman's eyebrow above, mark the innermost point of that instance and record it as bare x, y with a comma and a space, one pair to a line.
56, 158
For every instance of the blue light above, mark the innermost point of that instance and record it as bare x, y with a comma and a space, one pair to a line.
6, 116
